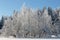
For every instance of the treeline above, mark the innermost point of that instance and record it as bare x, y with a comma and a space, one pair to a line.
29, 23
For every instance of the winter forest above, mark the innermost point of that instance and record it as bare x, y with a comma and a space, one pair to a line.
31, 23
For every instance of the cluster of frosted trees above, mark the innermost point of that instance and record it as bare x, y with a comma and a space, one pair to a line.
29, 23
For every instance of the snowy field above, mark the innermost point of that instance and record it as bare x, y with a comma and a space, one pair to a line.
2, 38
12, 38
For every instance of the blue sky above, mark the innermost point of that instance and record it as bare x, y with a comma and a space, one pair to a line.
7, 6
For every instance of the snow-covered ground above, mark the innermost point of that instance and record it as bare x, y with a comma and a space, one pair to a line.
2, 38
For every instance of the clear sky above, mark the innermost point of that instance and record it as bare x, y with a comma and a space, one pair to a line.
7, 6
